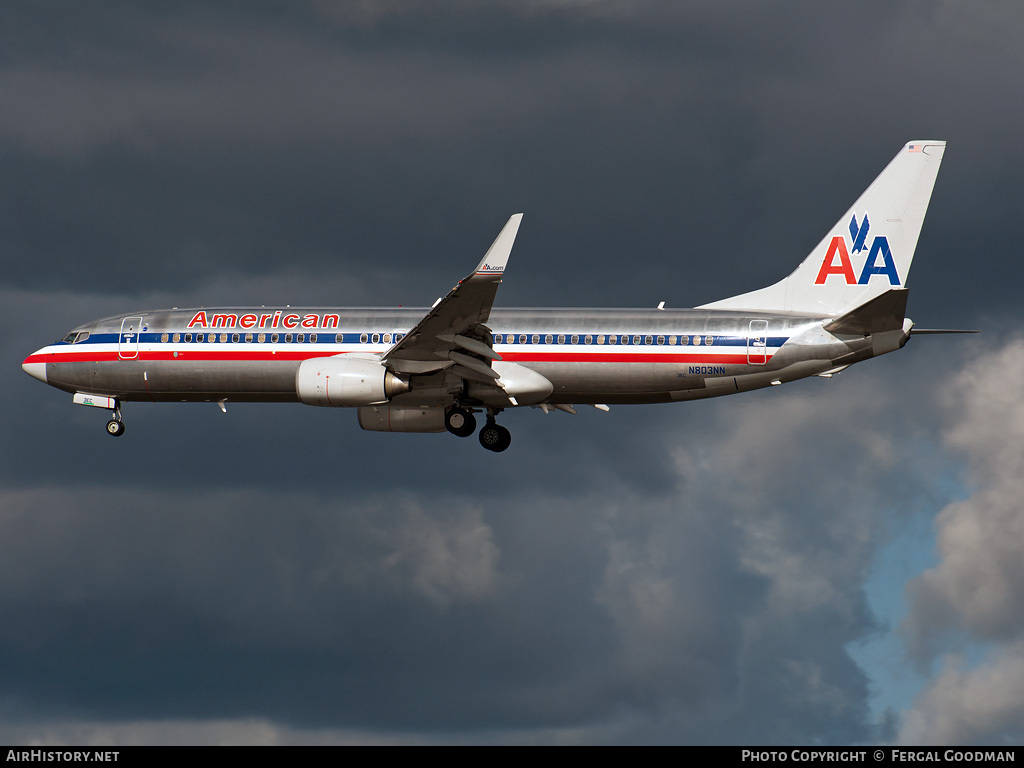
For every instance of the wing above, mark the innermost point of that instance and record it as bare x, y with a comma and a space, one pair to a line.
454, 326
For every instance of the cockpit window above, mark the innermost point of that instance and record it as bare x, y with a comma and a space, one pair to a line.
75, 337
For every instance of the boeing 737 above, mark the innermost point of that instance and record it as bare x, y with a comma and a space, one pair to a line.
431, 370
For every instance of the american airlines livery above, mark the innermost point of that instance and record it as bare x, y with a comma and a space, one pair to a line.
431, 370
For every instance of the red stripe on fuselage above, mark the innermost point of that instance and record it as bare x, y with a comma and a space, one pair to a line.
270, 355
619, 357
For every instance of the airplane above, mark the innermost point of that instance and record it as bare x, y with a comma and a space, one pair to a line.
432, 369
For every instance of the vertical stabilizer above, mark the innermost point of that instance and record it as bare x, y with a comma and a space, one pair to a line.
867, 252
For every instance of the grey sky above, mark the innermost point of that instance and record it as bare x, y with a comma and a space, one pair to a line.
688, 573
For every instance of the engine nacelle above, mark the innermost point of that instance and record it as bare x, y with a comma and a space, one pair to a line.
390, 418
346, 381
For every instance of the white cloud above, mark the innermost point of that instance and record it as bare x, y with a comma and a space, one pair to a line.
445, 560
967, 704
973, 595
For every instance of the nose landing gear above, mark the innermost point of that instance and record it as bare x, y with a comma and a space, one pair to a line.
115, 427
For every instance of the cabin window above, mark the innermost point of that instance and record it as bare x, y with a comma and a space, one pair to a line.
287, 338
274, 338
549, 339
300, 338
561, 338
200, 337
522, 338
234, 338
684, 340
696, 341
363, 338
575, 339
176, 338
164, 338
612, 339
661, 340
188, 337
387, 338
248, 338
376, 338
600, 339
709, 340
587, 339
339, 338
224, 338
261, 338
535, 339
636, 339
671, 341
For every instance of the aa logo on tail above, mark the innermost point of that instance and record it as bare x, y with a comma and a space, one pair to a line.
837, 257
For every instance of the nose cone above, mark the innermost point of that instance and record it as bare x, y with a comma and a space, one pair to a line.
35, 369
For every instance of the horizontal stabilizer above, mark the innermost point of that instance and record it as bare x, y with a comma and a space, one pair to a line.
882, 313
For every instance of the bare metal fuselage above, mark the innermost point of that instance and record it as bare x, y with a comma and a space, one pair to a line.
588, 355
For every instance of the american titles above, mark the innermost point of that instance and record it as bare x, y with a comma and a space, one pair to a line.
278, 319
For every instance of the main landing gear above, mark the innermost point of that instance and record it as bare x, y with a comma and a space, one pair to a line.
493, 437
460, 422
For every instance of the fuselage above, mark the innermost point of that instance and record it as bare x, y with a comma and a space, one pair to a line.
588, 355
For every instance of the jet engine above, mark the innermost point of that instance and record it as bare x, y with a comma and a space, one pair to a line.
346, 381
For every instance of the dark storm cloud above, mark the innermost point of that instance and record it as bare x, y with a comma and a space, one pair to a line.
321, 609
689, 573
650, 133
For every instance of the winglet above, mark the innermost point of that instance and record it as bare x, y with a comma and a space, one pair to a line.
494, 261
